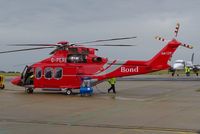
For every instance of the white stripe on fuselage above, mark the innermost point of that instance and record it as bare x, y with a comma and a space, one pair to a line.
110, 67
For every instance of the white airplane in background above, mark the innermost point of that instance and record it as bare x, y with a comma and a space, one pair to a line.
179, 65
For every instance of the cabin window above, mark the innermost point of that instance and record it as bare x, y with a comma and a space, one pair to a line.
38, 73
48, 72
58, 73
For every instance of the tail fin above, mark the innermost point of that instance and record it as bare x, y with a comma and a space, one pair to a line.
160, 60
192, 58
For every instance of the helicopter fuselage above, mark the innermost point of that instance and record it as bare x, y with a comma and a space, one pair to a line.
67, 68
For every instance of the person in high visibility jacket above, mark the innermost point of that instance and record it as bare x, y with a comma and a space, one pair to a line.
187, 71
112, 82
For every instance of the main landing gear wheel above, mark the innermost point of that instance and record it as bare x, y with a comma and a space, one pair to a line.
3, 87
29, 90
68, 92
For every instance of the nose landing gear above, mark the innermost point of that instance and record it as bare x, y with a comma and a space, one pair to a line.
29, 90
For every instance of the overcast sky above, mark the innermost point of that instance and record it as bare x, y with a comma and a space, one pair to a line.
51, 21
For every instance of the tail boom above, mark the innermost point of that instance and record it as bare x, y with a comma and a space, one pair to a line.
132, 67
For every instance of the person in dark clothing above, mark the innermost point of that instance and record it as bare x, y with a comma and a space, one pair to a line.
112, 82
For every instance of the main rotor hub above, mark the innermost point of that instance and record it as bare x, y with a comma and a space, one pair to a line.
63, 43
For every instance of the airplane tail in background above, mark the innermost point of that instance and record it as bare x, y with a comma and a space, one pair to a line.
160, 60
192, 58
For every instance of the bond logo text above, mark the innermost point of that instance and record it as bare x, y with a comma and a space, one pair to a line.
129, 70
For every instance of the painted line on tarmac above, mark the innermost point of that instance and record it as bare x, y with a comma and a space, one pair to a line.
150, 79
140, 128
160, 79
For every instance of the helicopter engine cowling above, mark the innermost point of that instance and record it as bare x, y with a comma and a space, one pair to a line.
97, 59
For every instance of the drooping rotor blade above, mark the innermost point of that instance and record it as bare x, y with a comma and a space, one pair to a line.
113, 39
177, 29
160, 38
33, 45
117, 45
52, 52
28, 49
187, 46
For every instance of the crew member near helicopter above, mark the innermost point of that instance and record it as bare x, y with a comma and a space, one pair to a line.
112, 82
187, 71
29, 76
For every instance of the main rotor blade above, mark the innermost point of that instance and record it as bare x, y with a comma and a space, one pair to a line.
111, 45
33, 45
52, 52
113, 39
28, 49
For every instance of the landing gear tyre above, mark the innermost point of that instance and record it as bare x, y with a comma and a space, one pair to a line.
29, 90
3, 87
68, 92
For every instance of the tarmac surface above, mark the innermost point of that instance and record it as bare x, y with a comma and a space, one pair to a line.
139, 107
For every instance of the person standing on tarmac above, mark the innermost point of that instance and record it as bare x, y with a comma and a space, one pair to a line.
112, 82
187, 71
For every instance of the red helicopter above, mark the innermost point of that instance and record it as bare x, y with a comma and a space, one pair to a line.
69, 64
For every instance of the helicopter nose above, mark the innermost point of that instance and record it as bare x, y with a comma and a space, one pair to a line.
16, 81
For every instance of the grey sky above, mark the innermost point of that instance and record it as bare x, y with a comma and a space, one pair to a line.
50, 21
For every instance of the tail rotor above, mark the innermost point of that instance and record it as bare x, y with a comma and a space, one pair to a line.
176, 34
160, 39
187, 46
177, 29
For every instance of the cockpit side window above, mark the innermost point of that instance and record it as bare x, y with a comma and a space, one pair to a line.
48, 72
58, 73
38, 72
